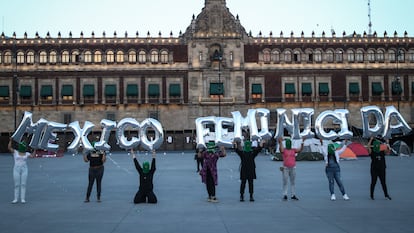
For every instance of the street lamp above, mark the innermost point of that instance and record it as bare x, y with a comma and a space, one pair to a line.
219, 57
396, 87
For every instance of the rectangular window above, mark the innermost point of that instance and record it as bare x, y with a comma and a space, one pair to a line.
132, 90
354, 88
216, 89
377, 88
257, 91
175, 90
4, 93
67, 118
67, 92
412, 88
46, 92
25, 92
153, 90
396, 88
323, 89
88, 90
110, 90
290, 88
306, 89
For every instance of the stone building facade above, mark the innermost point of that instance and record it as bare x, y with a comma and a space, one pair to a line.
213, 68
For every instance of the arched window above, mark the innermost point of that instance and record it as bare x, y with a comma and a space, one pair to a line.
142, 57
20, 57
391, 55
296, 56
359, 55
380, 55
7, 57
266, 56
339, 56
132, 56
75, 56
110, 56
401, 55
97, 57
350, 55
120, 56
164, 57
65, 57
87, 56
154, 56
42, 57
287, 56
318, 55
329, 55
30, 57
371, 55
53, 57
275, 56
411, 55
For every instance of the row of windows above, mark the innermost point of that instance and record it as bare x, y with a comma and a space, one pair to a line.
88, 92
330, 55
110, 56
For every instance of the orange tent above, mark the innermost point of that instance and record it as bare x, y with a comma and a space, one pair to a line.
348, 154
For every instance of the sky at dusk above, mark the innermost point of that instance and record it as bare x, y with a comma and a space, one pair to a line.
167, 16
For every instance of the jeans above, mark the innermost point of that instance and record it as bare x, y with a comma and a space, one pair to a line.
289, 172
333, 172
20, 178
95, 174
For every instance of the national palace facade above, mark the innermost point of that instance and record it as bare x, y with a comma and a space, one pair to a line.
212, 68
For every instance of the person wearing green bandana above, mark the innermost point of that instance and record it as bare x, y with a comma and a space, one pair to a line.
146, 186
209, 170
332, 168
378, 166
247, 154
20, 170
289, 167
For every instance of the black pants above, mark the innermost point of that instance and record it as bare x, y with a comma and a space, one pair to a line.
141, 197
211, 187
95, 174
199, 163
243, 186
378, 172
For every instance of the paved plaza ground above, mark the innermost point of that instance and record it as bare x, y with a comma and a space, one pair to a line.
56, 190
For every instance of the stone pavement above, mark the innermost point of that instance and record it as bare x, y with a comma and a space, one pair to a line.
56, 190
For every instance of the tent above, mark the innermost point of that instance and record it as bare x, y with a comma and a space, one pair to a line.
348, 154
400, 148
358, 149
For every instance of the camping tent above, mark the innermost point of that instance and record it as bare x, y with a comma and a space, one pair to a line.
400, 148
348, 154
358, 149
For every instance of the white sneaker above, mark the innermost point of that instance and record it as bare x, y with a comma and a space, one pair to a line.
23, 201
346, 198
333, 198
14, 201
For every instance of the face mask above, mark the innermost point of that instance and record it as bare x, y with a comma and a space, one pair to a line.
22, 147
376, 146
247, 146
331, 149
288, 144
211, 147
145, 167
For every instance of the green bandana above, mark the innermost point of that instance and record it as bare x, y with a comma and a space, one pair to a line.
288, 144
145, 167
331, 149
211, 147
22, 147
376, 146
247, 146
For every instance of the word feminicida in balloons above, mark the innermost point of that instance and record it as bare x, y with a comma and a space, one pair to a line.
44, 132
386, 125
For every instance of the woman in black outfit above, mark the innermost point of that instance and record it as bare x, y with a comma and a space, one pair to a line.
145, 192
378, 166
247, 155
96, 161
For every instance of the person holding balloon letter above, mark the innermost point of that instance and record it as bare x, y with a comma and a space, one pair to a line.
146, 175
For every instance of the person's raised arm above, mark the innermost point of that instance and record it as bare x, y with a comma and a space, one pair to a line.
281, 149
9, 146
153, 167
370, 145
301, 145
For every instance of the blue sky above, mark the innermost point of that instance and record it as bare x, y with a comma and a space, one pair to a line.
52, 16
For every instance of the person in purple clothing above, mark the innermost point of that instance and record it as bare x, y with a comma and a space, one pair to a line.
209, 170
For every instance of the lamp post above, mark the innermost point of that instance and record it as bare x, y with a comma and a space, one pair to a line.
397, 82
219, 80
